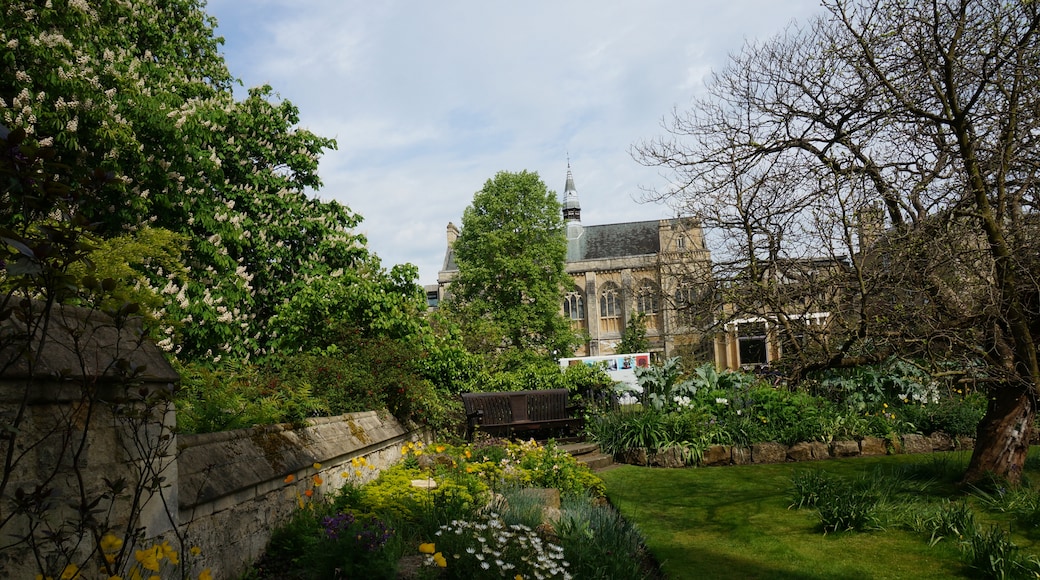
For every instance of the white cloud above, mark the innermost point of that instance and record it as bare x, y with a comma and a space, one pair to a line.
428, 100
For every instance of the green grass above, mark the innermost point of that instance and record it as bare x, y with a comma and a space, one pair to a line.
735, 522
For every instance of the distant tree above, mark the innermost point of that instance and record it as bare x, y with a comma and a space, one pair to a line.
633, 338
896, 142
511, 278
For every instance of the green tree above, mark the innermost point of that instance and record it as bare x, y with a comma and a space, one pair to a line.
142, 92
633, 338
510, 256
897, 140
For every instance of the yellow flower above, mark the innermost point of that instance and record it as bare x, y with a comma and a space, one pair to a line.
149, 558
344, 475
205, 575
438, 559
427, 548
317, 466
468, 454
115, 578
110, 543
518, 577
440, 448
155, 577
169, 553
289, 478
195, 550
885, 405
354, 462
418, 452
71, 572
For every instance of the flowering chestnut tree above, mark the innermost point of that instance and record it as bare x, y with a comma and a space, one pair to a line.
141, 91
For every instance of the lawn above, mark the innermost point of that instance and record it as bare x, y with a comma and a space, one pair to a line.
737, 522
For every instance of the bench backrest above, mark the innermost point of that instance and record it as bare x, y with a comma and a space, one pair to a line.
513, 406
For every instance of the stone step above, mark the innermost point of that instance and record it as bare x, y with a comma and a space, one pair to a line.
596, 461
580, 448
589, 454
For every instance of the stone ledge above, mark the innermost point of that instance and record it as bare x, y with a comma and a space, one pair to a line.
223, 464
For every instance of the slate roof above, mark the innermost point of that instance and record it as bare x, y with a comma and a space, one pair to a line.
616, 241
602, 242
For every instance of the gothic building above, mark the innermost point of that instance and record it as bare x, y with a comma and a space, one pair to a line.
655, 268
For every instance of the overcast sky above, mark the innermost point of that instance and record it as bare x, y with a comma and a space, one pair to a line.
428, 100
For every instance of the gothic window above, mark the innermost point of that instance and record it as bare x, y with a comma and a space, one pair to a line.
610, 301
574, 306
647, 298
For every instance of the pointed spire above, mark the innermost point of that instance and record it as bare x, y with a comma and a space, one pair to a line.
571, 206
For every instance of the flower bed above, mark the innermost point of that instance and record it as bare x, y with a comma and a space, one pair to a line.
465, 511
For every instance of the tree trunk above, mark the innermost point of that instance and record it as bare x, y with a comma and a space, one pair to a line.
1003, 435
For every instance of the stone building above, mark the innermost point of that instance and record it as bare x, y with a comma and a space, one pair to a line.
656, 268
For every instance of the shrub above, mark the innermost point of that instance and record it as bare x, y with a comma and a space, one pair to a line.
236, 396
954, 415
597, 542
622, 430
812, 485
946, 520
992, 554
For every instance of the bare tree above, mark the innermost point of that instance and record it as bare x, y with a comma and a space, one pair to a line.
894, 140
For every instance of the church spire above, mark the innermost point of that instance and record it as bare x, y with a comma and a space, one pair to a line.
571, 206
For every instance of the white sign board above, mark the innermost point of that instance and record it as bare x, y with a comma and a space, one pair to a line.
620, 367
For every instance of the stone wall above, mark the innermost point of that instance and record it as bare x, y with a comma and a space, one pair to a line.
233, 490
771, 452
85, 407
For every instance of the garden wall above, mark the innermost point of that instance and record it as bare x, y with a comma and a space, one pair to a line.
233, 489
87, 427
718, 455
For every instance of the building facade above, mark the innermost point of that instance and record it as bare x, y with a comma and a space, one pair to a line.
656, 268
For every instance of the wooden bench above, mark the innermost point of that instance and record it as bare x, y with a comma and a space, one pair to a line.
506, 413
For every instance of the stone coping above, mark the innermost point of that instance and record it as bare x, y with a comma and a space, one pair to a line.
254, 461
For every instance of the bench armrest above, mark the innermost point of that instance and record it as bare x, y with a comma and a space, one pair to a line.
476, 417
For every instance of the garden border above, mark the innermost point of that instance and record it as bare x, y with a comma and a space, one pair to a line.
773, 452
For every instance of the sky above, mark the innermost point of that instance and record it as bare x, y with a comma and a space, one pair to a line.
429, 100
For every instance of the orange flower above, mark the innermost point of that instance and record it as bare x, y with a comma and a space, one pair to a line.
309, 493
317, 479
290, 478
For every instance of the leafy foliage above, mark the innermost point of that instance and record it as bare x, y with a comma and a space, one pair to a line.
511, 276
142, 92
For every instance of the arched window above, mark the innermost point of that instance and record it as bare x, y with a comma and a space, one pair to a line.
685, 301
647, 298
574, 306
610, 301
